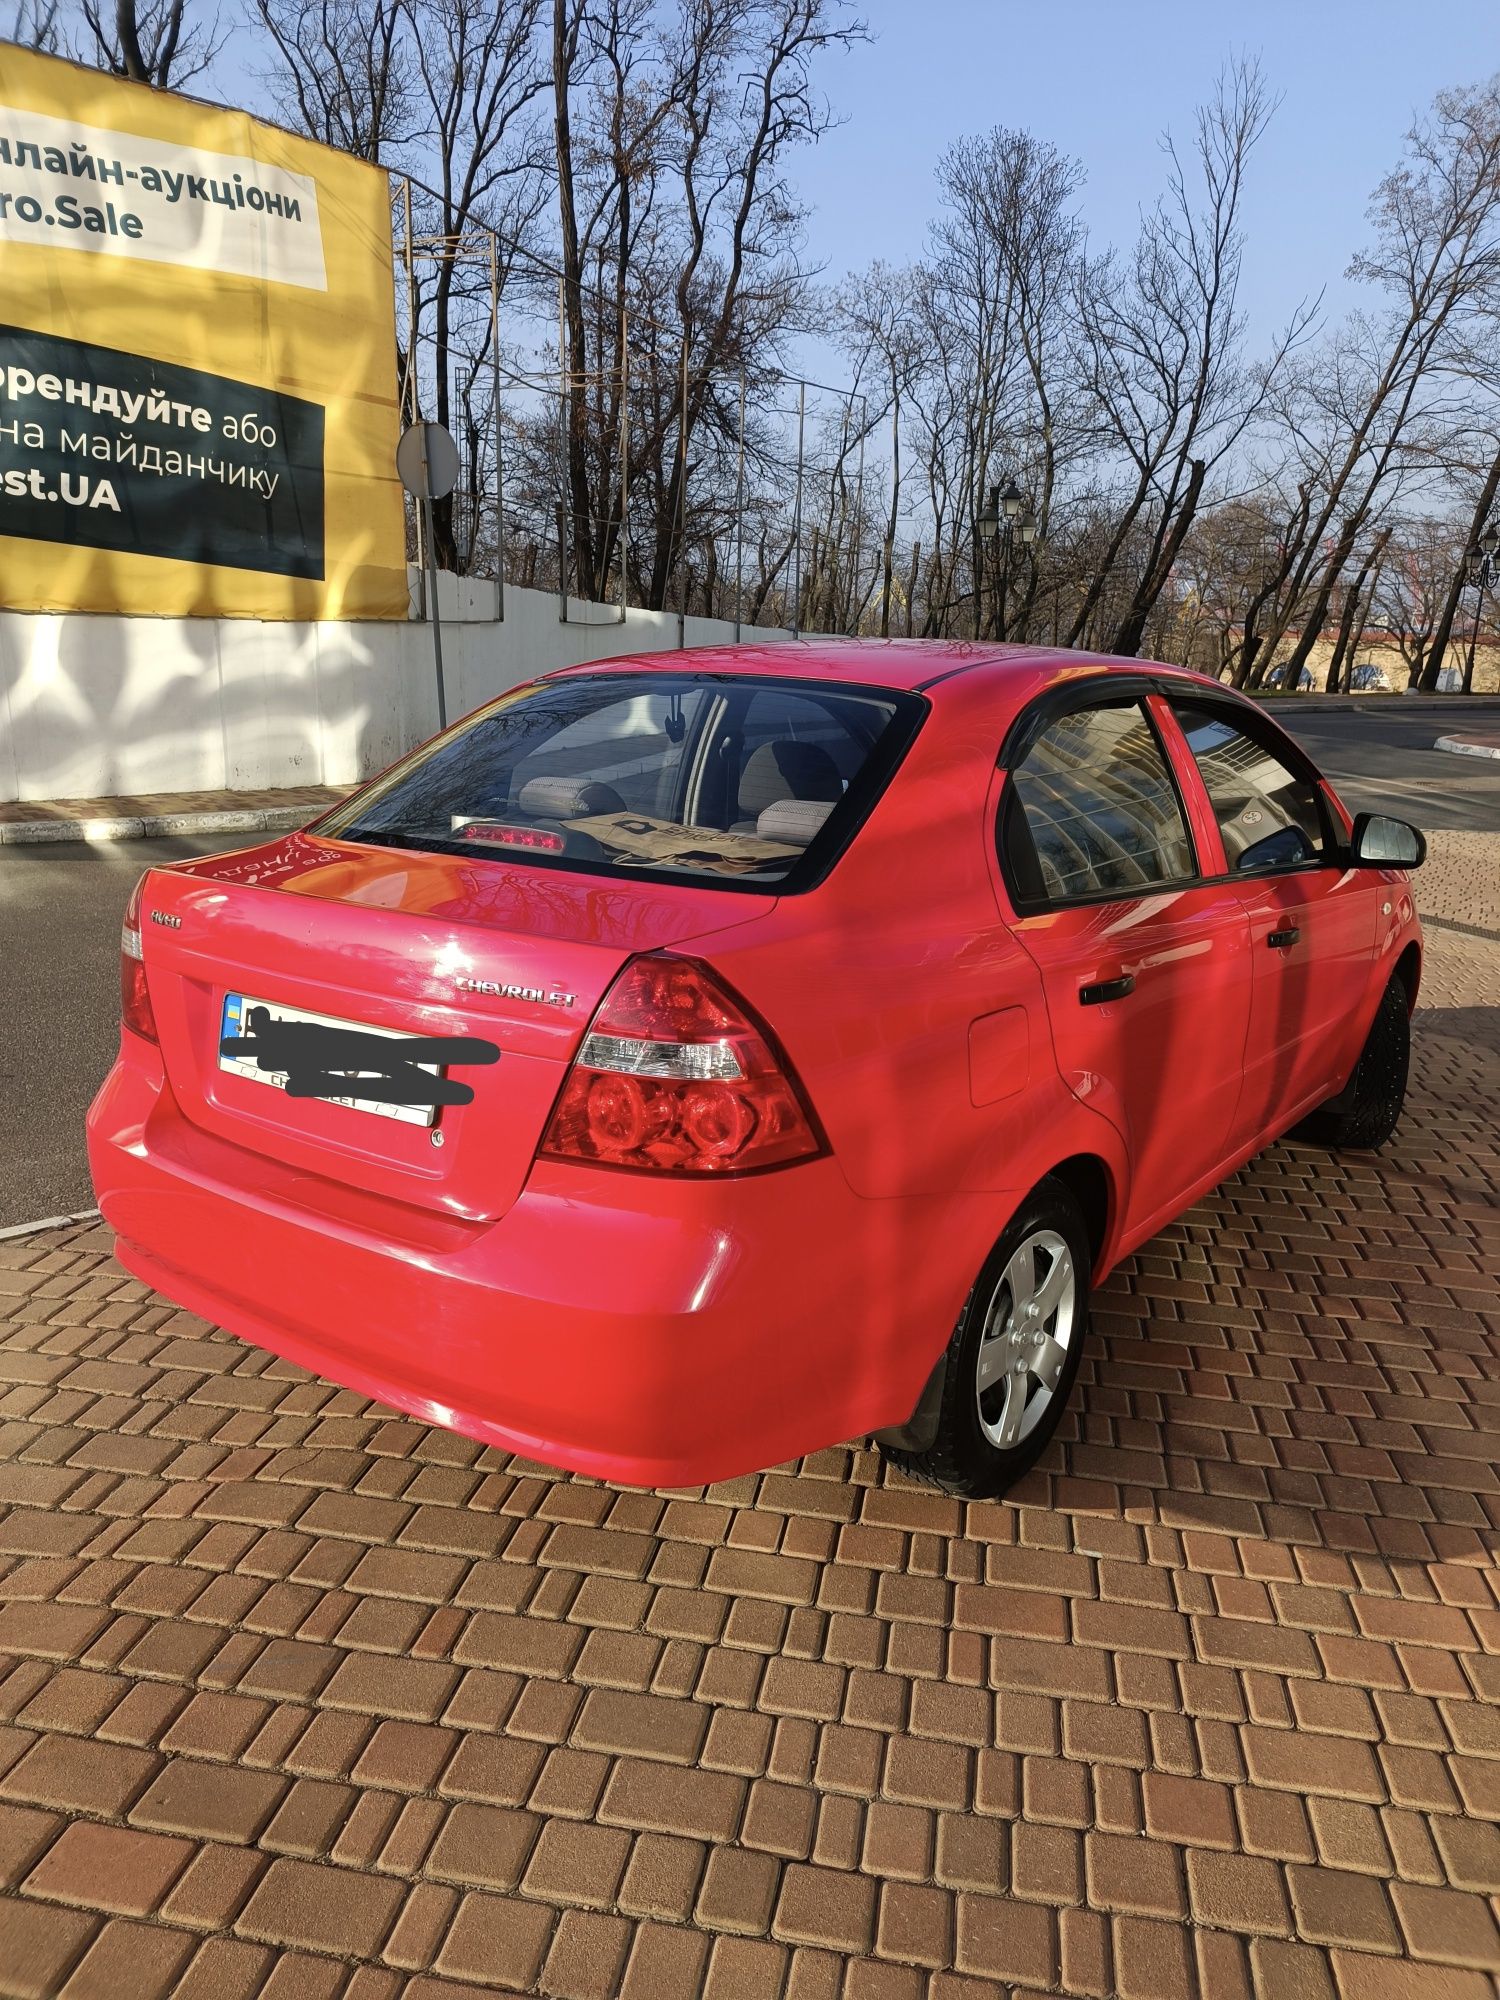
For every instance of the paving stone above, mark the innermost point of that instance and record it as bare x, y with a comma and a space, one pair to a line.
496, 1941
1236, 1892
109, 1868
641, 1725
1447, 1927
826, 1907
78, 1775
320, 1908
142, 1960
1332, 1906
209, 1801
586, 1956
486, 1846
576, 1863
997, 1939
652, 1796
39, 1945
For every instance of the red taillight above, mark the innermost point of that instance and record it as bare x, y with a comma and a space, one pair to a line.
677, 1076
135, 998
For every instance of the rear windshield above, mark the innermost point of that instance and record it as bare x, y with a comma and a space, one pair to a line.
722, 778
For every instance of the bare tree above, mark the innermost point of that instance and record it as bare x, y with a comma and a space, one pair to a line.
150, 41
1436, 252
1003, 397
35, 25
479, 74
1359, 599
879, 331
1413, 587
344, 71
1164, 345
680, 236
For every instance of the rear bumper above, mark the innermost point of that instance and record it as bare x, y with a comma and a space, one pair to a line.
657, 1335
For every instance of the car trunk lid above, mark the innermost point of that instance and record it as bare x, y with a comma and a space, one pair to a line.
410, 943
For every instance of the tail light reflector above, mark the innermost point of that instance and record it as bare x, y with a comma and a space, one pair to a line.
135, 997
676, 1075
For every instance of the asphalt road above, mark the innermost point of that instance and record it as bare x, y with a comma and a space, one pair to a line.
60, 908
1382, 760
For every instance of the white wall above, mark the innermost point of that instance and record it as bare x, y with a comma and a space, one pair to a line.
100, 707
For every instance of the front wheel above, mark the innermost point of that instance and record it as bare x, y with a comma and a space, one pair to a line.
1014, 1354
1365, 1113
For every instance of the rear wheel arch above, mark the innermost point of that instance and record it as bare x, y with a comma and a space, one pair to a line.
951, 1439
1088, 1178
1409, 972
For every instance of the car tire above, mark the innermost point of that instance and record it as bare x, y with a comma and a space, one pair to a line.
1366, 1112
984, 1440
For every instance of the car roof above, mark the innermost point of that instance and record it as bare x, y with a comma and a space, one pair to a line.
913, 664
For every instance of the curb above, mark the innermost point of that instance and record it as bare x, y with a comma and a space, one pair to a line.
1377, 704
48, 1222
16, 833
1461, 749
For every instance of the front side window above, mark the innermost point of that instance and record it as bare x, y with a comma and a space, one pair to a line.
724, 778
1092, 810
1269, 816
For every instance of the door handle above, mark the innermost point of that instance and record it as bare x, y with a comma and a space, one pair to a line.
1282, 940
1106, 989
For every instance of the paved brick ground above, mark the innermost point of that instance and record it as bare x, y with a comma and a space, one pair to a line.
148, 805
303, 1702
1460, 881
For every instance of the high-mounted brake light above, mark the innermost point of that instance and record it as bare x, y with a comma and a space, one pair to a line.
515, 836
135, 997
676, 1075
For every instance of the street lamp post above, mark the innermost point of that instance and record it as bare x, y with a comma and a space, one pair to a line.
1482, 569
1005, 516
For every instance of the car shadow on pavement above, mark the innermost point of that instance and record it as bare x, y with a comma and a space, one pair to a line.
1308, 1355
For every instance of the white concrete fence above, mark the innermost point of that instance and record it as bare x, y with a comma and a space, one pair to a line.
102, 707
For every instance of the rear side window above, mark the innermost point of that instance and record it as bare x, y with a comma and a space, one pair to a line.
1092, 810
1270, 815
727, 778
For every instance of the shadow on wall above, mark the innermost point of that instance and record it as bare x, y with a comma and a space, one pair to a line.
97, 707
93, 706
105, 707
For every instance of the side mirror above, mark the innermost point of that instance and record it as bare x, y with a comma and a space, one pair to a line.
1381, 842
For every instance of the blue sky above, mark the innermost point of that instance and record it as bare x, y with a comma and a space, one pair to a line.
1101, 80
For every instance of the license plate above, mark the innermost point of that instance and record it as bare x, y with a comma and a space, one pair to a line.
235, 1010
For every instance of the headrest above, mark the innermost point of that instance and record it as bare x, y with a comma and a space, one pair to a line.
566, 798
795, 821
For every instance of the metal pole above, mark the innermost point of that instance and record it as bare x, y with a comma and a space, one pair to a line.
565, 421
682, 423
499, 440
739, 517
855, 597
797, 516
624, 537
437, 618
422, 524
981, 564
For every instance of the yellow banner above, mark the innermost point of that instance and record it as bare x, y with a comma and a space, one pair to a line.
198, 409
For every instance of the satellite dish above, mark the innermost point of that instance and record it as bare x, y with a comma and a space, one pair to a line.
427, 461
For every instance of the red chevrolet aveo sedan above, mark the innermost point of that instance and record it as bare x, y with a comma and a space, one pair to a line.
687, 1062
